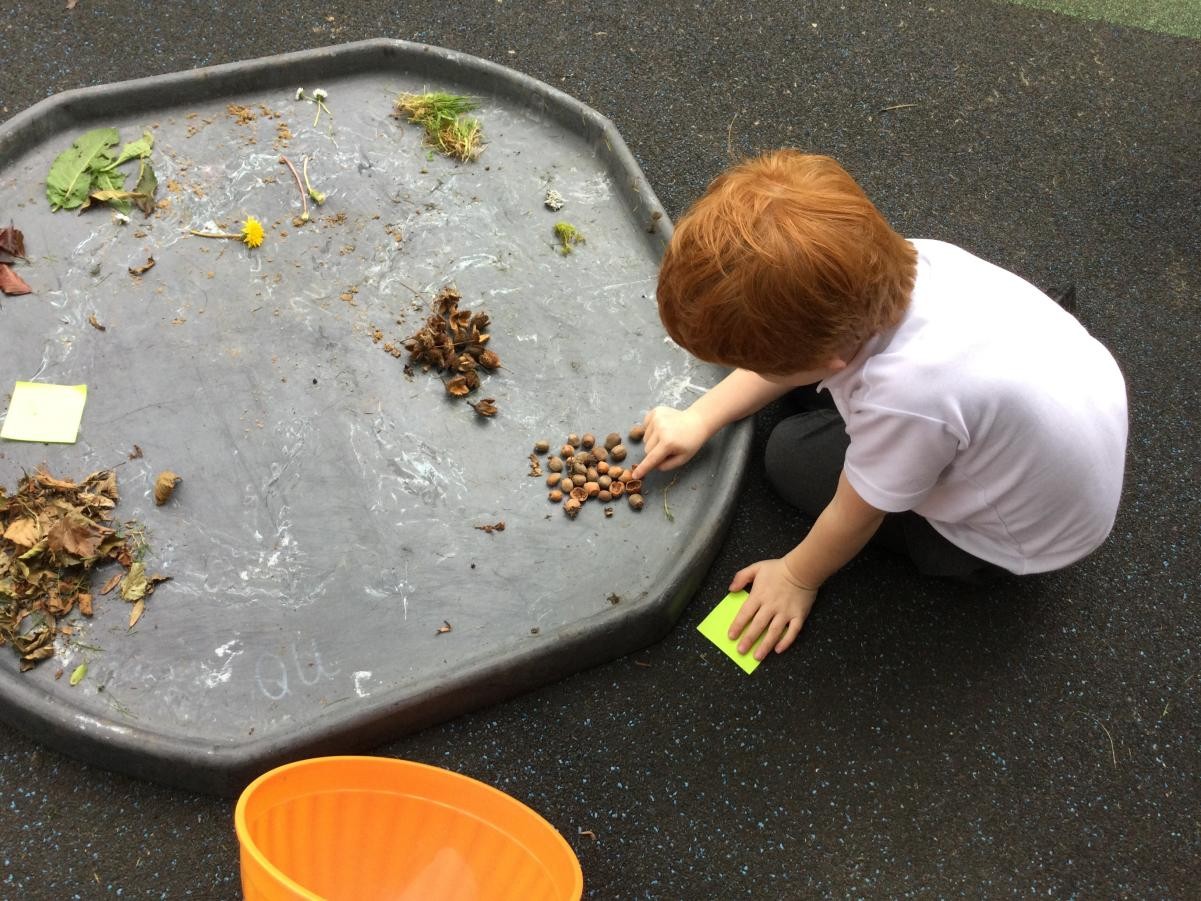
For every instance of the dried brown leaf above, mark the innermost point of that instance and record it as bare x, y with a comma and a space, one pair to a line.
11, 283
144, 268
23, 532
76, 535
164, 485
485, 407
12, 244
112, 583
95, 323
135, 614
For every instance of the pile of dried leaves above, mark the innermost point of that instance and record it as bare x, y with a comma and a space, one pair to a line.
453, 341
12, 248
53, 534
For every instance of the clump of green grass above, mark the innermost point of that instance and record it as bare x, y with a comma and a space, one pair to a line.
568, 236
447, 127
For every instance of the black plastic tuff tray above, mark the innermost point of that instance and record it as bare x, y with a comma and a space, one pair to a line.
323, 535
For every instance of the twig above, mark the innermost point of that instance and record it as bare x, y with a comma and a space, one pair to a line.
730, 138
667, 510
889, 109
304, 198
1112, 750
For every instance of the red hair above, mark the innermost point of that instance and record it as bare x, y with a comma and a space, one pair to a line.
781, 266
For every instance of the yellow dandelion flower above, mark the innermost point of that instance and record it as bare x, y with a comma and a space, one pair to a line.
252, 232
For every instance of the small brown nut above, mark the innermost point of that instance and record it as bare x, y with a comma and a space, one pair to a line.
592, 473
553, 479
578, 479
618, 452
571, 507
617, 473
602, 467
634, 486
567, 450
612, 440
603, 496
586, 458
592, 488
635, 501
573, 439
541, 447
636, 433
554, 464
617, 489
604, 481
579, 494
588, 440
600, 453
555, 496
579, 469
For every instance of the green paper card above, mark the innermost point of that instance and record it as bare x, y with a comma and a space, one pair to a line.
716, 626
47, 413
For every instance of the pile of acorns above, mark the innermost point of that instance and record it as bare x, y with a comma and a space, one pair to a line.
584, 470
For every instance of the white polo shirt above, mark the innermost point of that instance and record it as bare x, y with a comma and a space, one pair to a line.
991, 412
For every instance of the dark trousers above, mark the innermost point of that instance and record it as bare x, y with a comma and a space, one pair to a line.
804, 459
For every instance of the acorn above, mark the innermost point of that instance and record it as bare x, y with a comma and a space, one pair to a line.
554, 464
635, 501
636, 433
571, 507
603, 496
600, 454
602, 467
579, 469
634, 486
555, 496
617, 474
586, 458
592, 488
567, 450
579, 494
617, 489
578, 479
541, 447
612, 440
573, 439
618, 452
588, 440
553, 479
592, 473
604, 481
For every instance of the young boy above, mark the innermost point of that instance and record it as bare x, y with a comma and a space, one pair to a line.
977, 426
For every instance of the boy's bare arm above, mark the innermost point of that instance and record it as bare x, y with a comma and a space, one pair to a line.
674, 436
784, 590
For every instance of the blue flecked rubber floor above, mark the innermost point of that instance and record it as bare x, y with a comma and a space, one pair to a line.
920, 739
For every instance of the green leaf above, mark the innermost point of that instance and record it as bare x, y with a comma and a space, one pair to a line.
135, 149
70, 178
105, 185
78, 673
146, 187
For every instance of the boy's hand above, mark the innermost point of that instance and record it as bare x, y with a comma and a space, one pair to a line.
672, 438
778, 605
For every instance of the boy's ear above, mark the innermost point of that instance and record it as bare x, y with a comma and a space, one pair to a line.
838, 364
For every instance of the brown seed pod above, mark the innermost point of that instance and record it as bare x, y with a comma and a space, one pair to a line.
578, 479
603, 496
567, 451
602, 467
553, 479
586, 458
617, 474
592, 488
635, 501
617, 489
600, 454
589, 439
612, 440
604, 481
636, 433
618, 452
634, 486
571, 507
592, 474
579, 469
164, 485
573, 439
541, 447
554, 464
555, 496
579, 494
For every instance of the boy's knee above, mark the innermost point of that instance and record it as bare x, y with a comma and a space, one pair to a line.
804, 459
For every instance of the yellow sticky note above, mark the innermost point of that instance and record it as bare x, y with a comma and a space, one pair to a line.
42, 412
716, 626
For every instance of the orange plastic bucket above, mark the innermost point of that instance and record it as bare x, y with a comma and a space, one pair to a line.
363, 828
